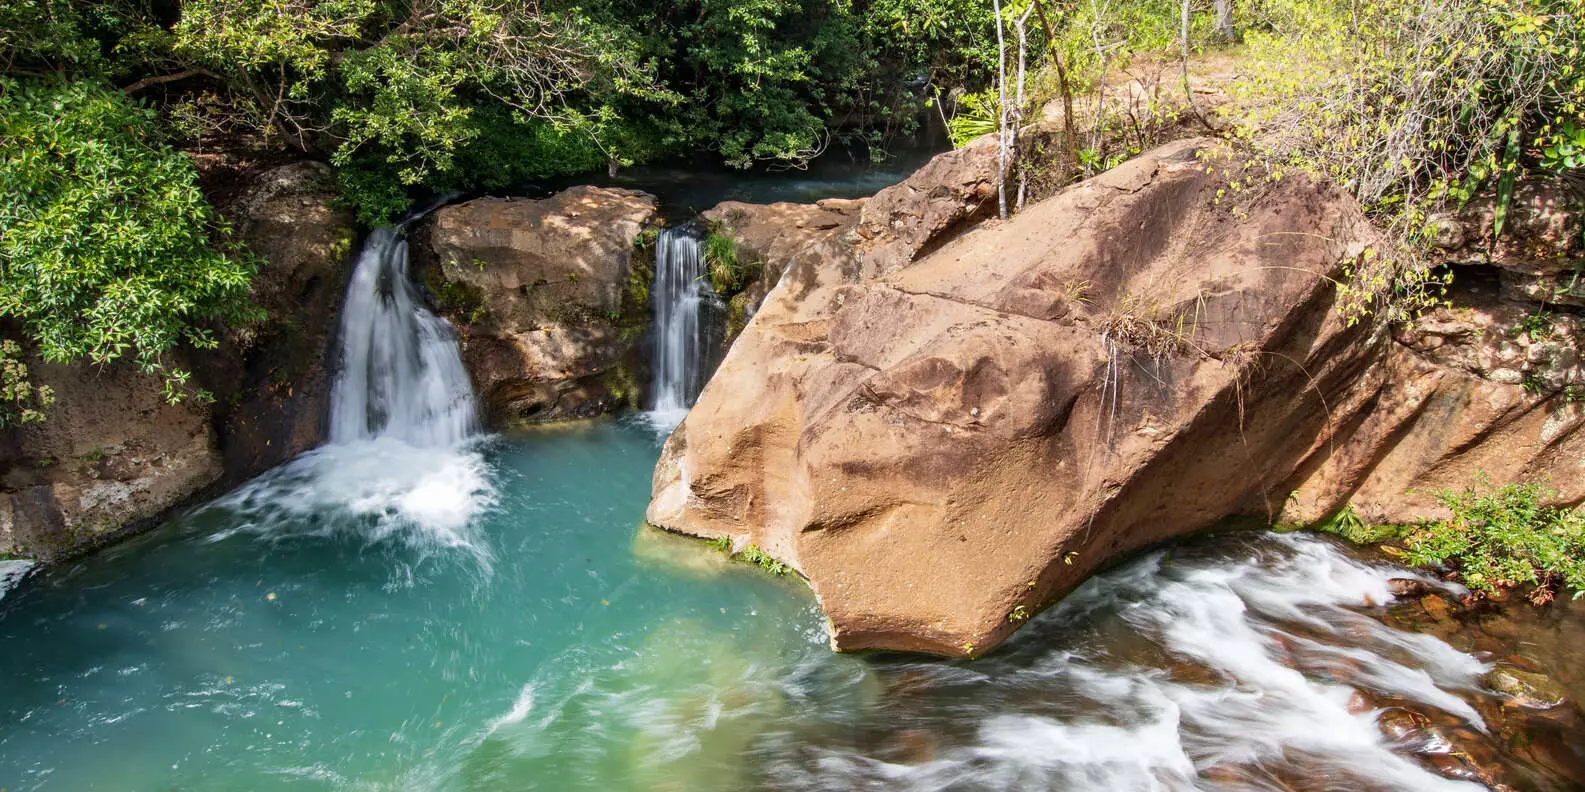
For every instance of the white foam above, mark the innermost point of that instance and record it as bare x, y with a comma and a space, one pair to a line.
402, 459
381, 488
1272, 662
520, 709
12, 572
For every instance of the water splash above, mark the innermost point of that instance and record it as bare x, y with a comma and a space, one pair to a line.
12, 572
403, 459
680, 295
1252, 673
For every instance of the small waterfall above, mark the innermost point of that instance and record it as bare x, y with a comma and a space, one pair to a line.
681, 295
401, 374
402, 461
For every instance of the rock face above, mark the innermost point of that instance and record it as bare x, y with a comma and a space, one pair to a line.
941, 445
272, 382
769, 238
113, 455
944, 430
547, 296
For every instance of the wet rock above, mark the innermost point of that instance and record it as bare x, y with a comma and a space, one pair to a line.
1525, 688
910, 747
1436, 607
1404, 726
274, 379
540, 292
1408, 587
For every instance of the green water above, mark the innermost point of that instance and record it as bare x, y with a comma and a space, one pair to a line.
202, 657
492, 617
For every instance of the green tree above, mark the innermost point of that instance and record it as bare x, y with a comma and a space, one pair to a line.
105, 238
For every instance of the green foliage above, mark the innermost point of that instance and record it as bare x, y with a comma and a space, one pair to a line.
446, 95
455, 298
753, 555
750, 555
727, 275
1503, 538
105, 239
21, 402
1566, 151
1411, 106
1347, 525
976, 115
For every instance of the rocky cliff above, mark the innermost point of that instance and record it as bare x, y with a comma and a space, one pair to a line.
551, 297
945, 426
113, 455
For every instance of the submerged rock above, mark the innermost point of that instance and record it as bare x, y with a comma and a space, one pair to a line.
943, 434
547, 296
1525, 688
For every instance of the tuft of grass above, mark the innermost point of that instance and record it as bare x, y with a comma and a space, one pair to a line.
459, 300
753, 555
1346, 524
1505, 537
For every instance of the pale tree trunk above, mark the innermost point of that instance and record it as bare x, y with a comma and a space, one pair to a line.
1001, 114
1018, 109
1222, 28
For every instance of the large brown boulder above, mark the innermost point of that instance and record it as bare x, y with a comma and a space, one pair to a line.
547, 297
942, 442
113, 455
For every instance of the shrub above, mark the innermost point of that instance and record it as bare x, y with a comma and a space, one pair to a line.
1410, 106
1504, 538
105, 239
727, 274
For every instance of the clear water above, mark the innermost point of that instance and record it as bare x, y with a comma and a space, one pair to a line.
545, 647
554, 644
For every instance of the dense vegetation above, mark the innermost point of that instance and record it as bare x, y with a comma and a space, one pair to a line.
104, 238
109, 250
1410, 105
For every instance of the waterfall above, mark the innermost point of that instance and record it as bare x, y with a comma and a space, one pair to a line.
401, 374
681, 294
402, 462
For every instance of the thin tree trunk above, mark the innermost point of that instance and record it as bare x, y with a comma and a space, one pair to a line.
1070, 130
1222, 28
1018, 109
1188, 93
1001, 115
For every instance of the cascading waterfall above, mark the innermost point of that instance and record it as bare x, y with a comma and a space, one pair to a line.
401, 460
680, 295
401, 374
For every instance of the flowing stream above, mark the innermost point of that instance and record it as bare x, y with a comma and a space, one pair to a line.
681, 295
418, 607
